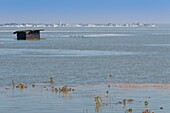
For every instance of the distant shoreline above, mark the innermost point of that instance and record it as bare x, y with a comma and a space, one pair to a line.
131, 25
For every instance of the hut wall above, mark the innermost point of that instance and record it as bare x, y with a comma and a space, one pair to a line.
33, 35
21, 36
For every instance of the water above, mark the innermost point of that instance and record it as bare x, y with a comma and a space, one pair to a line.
130, 55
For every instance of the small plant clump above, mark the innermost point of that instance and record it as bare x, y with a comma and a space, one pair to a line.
53, 88
146, 103
124, 102
64, 89
7, 88
56, 90
130, 100
21, 86
51, 80
147, 111
128, 110
98, 100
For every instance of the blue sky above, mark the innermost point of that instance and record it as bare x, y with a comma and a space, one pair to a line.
85, 11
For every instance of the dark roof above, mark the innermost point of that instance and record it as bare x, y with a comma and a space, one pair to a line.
27, 31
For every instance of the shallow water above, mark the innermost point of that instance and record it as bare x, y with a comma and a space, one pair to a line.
38, 100
130, 55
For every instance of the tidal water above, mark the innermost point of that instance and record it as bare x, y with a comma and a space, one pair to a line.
83, 58
87, 55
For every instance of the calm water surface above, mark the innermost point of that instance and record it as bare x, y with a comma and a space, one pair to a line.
130, 54
135, 55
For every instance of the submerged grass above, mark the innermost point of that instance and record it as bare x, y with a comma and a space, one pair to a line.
119, 98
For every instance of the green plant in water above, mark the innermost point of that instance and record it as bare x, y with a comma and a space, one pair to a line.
98, 101
21, 86
53, 88
65, 89
13, 84
146, 103
124, 102
51, 80
130, 100
128, 110
56, 90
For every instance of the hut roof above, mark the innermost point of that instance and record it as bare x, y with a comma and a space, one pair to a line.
27, 31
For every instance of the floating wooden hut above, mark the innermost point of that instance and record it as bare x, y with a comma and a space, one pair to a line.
28, 34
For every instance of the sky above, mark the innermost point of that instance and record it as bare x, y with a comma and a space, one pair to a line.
84, 11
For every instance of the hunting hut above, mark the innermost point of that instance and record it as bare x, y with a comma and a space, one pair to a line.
28, 34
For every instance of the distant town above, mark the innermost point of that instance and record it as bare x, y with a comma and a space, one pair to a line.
77, 25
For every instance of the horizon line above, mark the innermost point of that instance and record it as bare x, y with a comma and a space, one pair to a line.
82, 23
